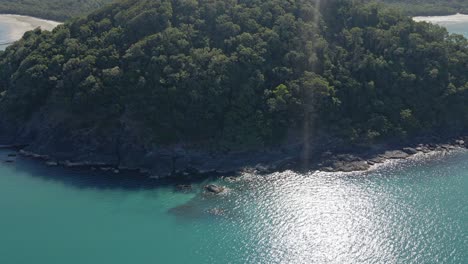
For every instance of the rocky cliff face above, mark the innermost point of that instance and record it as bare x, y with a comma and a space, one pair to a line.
63, 144
59, 145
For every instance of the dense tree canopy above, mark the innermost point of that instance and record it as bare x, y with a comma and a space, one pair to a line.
59, 10
242, 73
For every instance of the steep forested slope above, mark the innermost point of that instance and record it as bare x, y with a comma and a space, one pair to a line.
51, 9
229, 75
173, 70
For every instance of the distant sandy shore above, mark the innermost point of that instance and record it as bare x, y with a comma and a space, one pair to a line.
17, 25
443, 20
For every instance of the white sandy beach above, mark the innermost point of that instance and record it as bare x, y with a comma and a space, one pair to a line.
18, 25
457, 24
443, 20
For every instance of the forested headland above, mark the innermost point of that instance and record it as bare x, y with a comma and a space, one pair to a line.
62, 10
59, 10
232, 75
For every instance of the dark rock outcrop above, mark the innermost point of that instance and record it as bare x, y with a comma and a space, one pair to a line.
395, 154
61, 146
184, 188
349, 166
410, 151
215, 189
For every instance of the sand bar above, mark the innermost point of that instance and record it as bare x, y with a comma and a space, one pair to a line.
443, 20
17, 25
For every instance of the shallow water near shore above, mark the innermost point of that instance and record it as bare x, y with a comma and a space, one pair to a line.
455, 23
412, 211
12, 27
4, 35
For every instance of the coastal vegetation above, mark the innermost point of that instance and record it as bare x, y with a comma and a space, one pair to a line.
235, 75
59, 10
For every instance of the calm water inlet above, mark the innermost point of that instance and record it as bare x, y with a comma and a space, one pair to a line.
457, 24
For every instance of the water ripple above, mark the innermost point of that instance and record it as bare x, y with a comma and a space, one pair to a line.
399, 213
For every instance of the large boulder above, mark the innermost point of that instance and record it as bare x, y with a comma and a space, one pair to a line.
350, 166
410, 151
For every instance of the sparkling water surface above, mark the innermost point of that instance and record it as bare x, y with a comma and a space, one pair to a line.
406, 212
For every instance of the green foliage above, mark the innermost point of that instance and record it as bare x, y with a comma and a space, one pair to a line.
237, 74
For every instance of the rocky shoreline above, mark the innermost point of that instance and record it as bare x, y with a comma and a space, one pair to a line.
122, 148
80, 165
270, 162
353, 163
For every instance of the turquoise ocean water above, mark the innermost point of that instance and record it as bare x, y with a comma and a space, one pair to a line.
457, 24
460, 27
4, 28
407, 212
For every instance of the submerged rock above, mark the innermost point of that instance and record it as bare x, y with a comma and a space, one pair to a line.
184, 187
231, 179
211, 188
